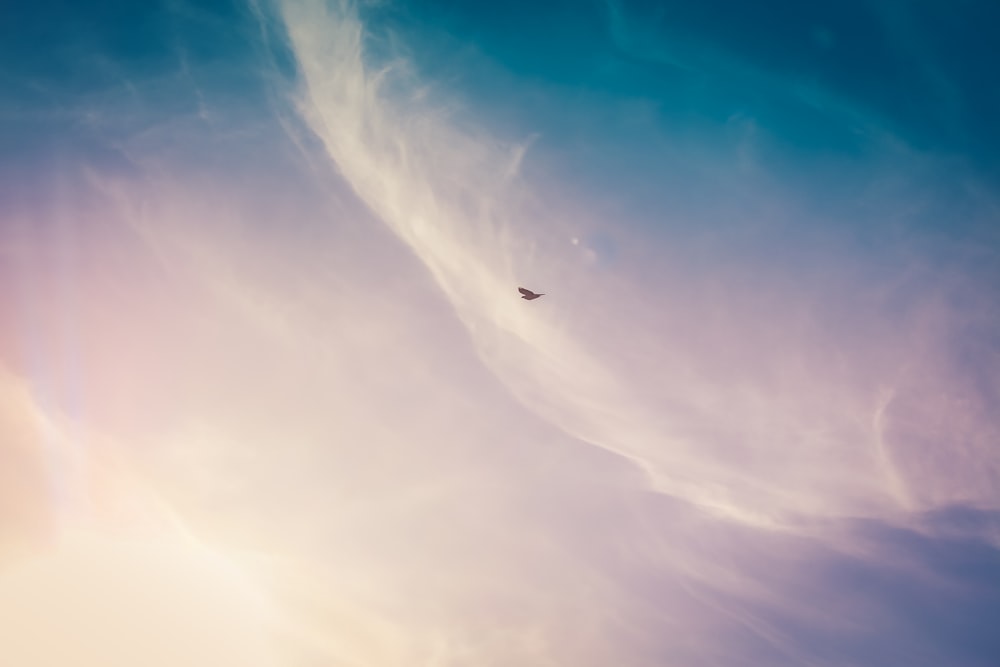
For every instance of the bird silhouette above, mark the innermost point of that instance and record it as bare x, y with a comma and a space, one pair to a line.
528, 294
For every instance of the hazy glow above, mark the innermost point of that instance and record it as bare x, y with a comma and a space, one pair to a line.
268, 396
114, 603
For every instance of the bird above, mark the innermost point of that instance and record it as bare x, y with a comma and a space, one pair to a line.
528, 294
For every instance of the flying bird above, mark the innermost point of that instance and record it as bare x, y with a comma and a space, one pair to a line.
528, 294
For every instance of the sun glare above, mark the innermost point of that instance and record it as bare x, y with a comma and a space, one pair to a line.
109, 603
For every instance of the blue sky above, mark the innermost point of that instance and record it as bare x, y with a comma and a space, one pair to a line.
268, 393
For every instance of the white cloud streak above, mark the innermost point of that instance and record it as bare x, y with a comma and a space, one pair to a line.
752, 410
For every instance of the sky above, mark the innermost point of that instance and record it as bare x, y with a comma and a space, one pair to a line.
269, 395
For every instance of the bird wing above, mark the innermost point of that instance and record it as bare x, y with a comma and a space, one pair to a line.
525, 292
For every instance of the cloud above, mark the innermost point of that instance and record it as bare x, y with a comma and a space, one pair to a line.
745, 398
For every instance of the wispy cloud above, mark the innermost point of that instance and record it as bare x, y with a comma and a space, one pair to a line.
734, 419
